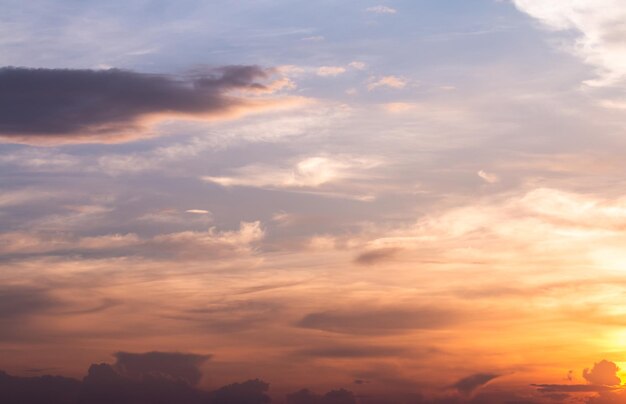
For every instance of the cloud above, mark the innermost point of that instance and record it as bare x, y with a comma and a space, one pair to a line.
63, 105
106, 384
603, 373
198, 211
398, 107
20, 301
387, 81
469, 384
357, 65
601, 379
38, 390
171, 365
572, 388
378, 321
489, 178
306, 174
352, 351
184, 244
326, 71
375, 256
381, 10
601, 28
250, 392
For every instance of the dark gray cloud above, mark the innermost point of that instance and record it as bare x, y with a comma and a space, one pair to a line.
379, 321
352, 351
107, 384
108, 105
376, 256
19, 301
469, 384
172, 365
572, 388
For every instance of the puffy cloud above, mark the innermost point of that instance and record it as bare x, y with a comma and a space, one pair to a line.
387, 81
49, 105
601, 379
155, 379
171, 365
601, 26
249, 392
603, 373
38, 390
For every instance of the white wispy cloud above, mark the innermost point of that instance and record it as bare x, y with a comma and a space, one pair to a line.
316, 174
488, 177
357, 65
601, 27
308, 172
381, 10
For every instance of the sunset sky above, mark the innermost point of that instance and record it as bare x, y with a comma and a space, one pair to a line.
413, 200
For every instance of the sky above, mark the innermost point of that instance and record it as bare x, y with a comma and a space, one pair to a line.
408, 201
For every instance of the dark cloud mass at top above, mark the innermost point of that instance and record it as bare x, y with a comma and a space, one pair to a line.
109, 105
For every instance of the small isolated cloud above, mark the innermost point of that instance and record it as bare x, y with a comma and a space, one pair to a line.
376, 256
330, 71
315, 38
48, 105
469, 384
488, 177
198, 211
357, 65
387, 81
381, 10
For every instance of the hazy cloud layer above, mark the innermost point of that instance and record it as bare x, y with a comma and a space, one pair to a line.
379, 321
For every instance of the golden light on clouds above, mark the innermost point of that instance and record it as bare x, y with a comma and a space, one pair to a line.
253, 203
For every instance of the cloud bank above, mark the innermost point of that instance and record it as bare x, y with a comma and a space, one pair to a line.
77, 106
